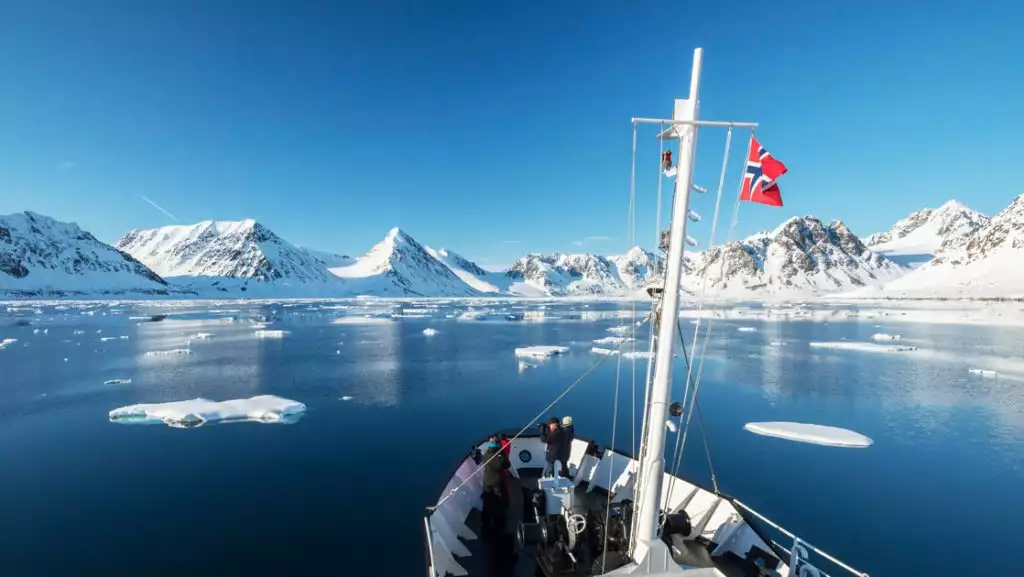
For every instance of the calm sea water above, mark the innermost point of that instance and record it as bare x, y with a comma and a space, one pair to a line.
342, 492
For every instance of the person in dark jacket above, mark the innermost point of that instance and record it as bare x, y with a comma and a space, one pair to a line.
569, 433
494, 498
552, 434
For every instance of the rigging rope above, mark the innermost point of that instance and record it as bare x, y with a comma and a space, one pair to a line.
707, 332
615, 420
677, 454
533, 420
632, 299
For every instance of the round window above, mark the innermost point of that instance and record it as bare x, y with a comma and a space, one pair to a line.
525, 456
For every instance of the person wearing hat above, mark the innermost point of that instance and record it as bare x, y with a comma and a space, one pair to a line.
552, 434
568, 434
495, 500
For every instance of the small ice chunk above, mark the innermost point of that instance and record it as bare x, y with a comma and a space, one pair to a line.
671, 425
79, 332
601, 351
778, 343
118, 382
864, 347
623, 330
120, 338
203, 336
885, 337
35, 331
196, 412
98, 331
983, 372
636, 355
271, 334
747, 329
346, 398
611, 340
4, 343
523, 365
168, 353
541, 351
65, 359
430, 332
809, 433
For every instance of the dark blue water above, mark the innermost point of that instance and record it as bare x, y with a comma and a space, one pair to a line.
343, 490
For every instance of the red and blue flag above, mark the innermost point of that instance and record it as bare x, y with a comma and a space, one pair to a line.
759, 179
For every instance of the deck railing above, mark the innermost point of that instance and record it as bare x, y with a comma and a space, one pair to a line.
799, 563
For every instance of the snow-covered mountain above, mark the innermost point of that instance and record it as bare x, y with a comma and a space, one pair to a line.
228, 256
915, 239
986, 264
636, 267
471, 274
329, 258
566, 274
400, 266
40, 256
801, 257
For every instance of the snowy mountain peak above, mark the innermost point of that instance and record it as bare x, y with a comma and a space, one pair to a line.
399, 265
983, 264
801, 256
242, 249
43, 256
461, 262
928, 230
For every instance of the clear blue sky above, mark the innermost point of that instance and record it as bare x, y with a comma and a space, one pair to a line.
471, 123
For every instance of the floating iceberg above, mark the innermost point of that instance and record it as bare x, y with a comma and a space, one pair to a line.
271, 334
636, 355
983, 372
885, 337
611, 340
541, 351
197, 412
864, 347
600, 351
808, 433
346, 398
430, 332
4, 343
117, 381
747, 329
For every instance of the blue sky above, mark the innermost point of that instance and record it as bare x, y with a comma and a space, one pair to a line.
494, 128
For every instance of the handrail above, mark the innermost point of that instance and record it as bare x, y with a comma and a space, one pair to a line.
797, 541
430, 547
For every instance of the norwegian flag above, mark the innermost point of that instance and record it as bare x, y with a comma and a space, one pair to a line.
759, 180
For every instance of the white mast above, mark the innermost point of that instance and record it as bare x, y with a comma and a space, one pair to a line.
652, 466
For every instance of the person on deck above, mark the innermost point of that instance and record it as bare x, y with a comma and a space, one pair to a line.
569, 433
554, 436
506, 450
494, 498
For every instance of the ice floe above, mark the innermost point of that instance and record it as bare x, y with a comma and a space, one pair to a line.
79, 332
541, 351
636, 355
885, 337
196, 412
117, 381
611, 340
983, 372
203, 336
621, 330
864, 347
430, 332
170, 353
670, 425
4, 343
120, 338
361, 320
270, 334
778, 343
809, 433
346, 398
747, 329
523, 365
601, 351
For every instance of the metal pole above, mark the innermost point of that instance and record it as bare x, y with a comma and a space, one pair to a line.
653, 465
